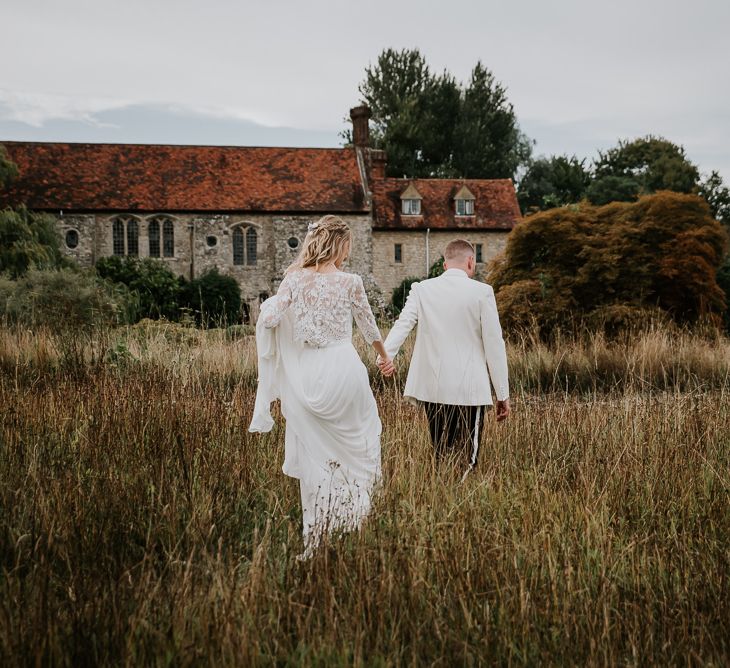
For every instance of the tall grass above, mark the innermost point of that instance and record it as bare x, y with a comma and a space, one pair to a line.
140, 523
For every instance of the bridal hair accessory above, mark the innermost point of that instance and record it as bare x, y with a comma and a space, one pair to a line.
312, 226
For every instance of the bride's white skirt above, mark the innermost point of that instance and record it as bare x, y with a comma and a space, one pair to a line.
332, 442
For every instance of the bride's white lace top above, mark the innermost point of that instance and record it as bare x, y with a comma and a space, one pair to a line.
323, 307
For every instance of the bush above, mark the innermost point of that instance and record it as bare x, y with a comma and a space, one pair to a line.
29, 240
400, 294
437, 268
562, 265
723, 280
215, 299
160, 293
63, 300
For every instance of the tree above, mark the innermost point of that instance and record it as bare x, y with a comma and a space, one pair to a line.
488, 143
717, 195
215, 299
29, 240
159, 292
611, 188
553, 182
563, 266
8, 169
432, 126
641, 167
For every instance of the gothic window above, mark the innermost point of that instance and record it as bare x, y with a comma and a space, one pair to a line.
245, 246
398, 252
132, 237
238, 246
118, 237
479, 253
168, 238
251, 246
125, 236
153, 233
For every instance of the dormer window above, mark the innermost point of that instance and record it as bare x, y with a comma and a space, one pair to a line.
464, 202
411, 201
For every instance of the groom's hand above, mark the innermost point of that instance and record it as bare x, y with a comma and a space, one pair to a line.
386, 366
503, 410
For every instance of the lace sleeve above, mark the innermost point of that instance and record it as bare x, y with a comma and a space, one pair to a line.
273, 309
363, 313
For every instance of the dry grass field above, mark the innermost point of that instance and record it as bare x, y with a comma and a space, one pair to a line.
141, 524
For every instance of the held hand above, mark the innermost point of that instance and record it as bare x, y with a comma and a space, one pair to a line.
503, 410
386, 366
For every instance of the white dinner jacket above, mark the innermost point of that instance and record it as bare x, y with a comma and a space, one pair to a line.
459, 343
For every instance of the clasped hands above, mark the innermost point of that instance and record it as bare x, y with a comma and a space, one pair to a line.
386, 366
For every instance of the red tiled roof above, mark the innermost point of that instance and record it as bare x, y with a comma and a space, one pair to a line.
129, 177
495, 206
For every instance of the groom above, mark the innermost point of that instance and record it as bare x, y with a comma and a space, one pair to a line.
458, 350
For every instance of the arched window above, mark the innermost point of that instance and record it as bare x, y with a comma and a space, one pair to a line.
125, 236
245, 245
168, 238
118, 237
238, 246
153, 232
132, 237
251, 246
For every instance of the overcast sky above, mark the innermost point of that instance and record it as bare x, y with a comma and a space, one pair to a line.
580, 73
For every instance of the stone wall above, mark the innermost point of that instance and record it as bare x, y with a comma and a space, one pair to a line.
388, 273
205, 241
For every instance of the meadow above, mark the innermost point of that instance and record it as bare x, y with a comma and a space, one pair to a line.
141, 524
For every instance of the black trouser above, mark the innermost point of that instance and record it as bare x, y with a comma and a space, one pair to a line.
455, 430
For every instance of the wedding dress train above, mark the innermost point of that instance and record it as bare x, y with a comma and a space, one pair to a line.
306, 358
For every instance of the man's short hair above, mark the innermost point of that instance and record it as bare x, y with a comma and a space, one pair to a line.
458, 249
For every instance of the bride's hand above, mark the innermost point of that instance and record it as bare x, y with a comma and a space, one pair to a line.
386, 366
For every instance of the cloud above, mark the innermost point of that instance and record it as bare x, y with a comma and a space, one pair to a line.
39, 109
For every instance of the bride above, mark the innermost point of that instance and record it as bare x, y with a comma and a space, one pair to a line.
306, 358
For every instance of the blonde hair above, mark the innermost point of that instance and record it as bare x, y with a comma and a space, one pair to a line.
326, 241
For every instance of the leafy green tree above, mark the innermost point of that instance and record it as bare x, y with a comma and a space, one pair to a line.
610, 188
488, 142
717, 195
8, 169
215, 299
641, 166
160, 293
553, 182
430, 125
29, 240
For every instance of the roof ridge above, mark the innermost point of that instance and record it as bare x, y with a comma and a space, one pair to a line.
227, 146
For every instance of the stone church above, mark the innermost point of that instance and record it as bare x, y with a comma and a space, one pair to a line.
245, 210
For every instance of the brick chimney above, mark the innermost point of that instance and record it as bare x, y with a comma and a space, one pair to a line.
360, 131
377, 164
